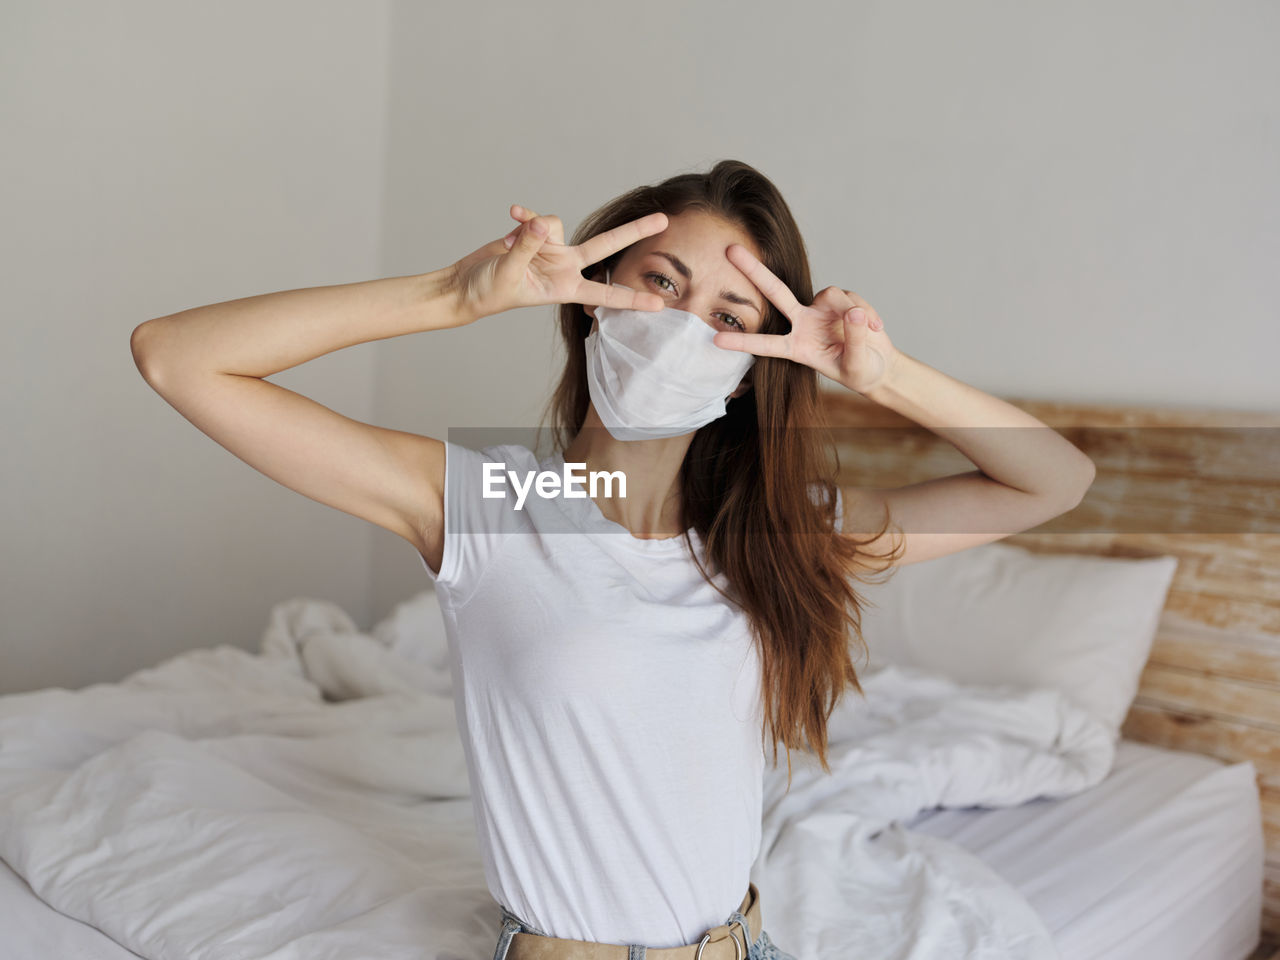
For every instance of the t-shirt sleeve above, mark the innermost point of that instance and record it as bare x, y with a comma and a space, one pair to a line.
475, 525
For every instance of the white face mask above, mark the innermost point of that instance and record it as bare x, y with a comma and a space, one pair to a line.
658, 374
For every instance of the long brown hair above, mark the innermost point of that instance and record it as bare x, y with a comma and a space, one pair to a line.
748, 478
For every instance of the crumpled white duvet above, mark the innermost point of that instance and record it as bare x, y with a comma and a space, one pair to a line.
311, 803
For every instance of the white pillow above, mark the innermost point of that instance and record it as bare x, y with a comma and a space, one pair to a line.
1001, 614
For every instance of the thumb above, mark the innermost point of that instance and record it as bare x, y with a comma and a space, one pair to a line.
523, 230
855, 331
527, 241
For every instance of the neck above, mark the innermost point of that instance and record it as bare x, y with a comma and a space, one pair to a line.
651, 508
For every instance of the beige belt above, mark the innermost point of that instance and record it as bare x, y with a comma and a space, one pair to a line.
719, 943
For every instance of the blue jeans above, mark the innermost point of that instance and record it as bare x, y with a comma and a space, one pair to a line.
762, 949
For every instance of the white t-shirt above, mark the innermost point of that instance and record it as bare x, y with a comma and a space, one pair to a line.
610, 709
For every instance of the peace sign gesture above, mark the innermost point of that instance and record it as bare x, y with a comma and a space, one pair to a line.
840, 335
533, 265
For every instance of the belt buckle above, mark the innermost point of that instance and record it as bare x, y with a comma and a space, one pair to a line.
746, 934
706, 938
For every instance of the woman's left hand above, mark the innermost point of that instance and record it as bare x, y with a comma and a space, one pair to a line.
840, 335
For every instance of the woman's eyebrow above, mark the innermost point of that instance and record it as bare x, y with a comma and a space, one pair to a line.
688, 275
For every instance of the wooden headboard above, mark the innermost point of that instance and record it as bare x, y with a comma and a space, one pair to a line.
1200, 485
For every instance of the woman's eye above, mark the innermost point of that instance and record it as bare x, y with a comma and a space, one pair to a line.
728, 317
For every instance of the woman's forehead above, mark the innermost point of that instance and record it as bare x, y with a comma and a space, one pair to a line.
701, 244
702, 233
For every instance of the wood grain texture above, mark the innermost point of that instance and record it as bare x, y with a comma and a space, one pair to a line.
1201, 485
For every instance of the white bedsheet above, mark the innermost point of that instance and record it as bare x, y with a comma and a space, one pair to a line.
1164, 858
1185, 887
220, 806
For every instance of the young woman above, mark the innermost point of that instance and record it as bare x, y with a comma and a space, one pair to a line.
613, 686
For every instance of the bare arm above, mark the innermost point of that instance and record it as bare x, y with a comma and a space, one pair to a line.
262, 335
1027, 476
210, 362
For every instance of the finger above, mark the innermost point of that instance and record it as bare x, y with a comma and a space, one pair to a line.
855, 335
611, 241
520, 215
870, 319
873, 319
553, 222
619, 298
523, 214
760, 344
778, 293
531, 237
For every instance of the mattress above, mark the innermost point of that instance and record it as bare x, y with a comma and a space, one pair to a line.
1163, 858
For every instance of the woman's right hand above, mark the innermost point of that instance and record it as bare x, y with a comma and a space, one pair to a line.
532, 266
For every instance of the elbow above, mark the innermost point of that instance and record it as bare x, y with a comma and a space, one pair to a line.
140, 345
145, 356
136, 341
1089, 472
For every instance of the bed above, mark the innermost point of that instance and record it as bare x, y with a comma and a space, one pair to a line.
1196, 484
310, 799
1161, 859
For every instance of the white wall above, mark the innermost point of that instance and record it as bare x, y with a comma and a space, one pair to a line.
159, 156
1055, 201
